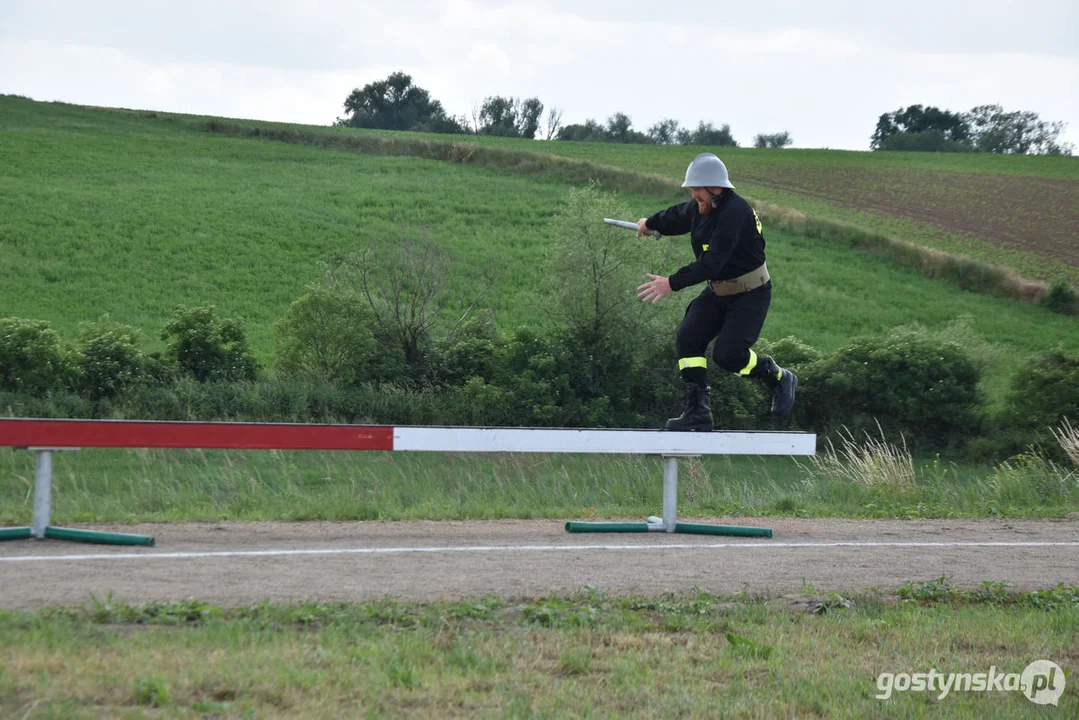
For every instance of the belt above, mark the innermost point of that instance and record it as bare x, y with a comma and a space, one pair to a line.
743, 283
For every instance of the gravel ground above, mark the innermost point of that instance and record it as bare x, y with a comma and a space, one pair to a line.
430, 560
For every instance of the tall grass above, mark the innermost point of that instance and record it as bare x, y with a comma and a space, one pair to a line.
166, 485
870, 463
1068, 437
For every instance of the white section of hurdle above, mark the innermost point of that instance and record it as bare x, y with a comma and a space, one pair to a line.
618, 442
669, 445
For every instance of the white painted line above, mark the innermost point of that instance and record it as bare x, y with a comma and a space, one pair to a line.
151, 555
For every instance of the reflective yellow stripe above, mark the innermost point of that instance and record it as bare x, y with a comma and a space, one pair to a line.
692, 362
752, 364
704, 248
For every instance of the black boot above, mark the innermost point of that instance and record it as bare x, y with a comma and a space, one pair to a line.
697, 416
780, 381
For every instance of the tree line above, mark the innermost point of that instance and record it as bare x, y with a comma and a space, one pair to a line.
985, 128
396, 103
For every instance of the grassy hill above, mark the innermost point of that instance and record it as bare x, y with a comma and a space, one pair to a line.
119, 213
1019, 211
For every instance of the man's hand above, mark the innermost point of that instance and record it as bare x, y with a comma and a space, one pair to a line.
642, 227
658, 287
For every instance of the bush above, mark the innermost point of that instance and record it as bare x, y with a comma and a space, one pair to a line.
909, 383
1046, 390
327, 336
790, 352
1061, 298
54, 404
108, 360
31, 357
207, 348
470, 353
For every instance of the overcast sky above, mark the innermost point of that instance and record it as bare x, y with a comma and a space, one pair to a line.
823, 71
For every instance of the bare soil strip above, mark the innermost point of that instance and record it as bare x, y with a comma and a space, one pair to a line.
488, 557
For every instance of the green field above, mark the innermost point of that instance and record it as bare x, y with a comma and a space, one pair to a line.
582, 655
1020, 211
107, 212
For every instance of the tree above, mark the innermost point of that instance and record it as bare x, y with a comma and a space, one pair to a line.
407, 288
772, 140
985, 128
590, 131
1023, 133
951, 127
664, 132
554, 122
509, 117
328, 335
925, 141
707, 134
620, 130
592, 271
396, 104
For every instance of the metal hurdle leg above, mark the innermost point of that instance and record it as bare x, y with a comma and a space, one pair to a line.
42, 491
670, 522
41, 529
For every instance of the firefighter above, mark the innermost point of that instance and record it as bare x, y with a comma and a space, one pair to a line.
729, 251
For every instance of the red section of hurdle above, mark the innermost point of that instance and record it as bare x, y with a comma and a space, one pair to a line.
153, 434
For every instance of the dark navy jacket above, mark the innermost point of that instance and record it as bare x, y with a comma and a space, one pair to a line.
727, 242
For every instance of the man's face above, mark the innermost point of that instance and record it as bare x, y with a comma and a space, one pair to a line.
704, 200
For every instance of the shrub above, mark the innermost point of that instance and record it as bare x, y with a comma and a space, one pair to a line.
1061, 298
469, 353
54, 404
1046, 390
789, 352
327, 335
208, 348
458, 364
32, 359
909, 383
108, 359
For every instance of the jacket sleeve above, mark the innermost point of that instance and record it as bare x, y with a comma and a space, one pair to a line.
722, 243
675, 220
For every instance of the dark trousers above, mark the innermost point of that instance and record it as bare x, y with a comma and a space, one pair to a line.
735, 321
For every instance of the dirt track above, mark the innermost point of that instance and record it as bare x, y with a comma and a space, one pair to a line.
430, 560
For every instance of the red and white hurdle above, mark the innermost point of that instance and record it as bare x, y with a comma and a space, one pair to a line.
43, 437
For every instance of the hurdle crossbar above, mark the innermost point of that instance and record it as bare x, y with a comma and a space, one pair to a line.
44, 437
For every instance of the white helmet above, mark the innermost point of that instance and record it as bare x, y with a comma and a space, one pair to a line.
707, 170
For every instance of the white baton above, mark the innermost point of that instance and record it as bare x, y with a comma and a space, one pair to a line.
628, 226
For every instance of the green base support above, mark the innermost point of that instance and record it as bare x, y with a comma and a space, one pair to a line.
101, 538
695, 529
596, 527
16, 534
688, 528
